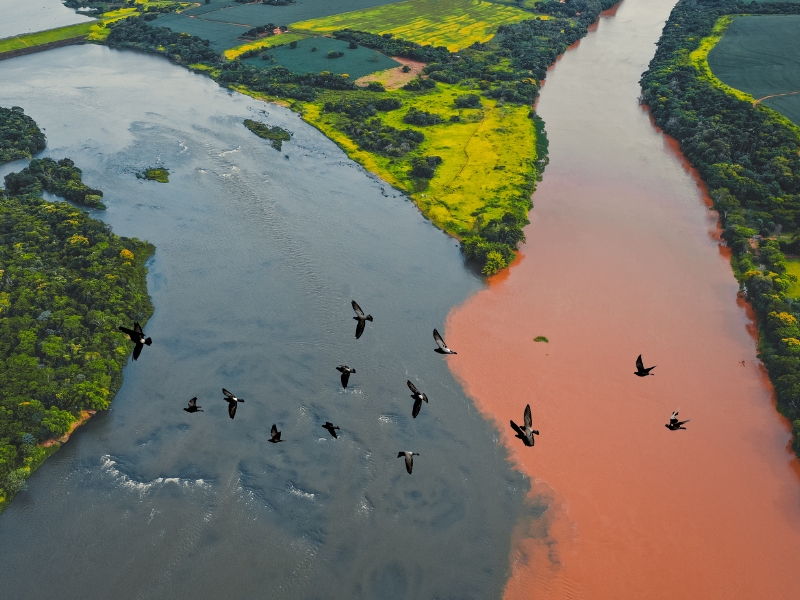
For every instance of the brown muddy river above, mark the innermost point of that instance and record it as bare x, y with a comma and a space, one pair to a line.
623, 257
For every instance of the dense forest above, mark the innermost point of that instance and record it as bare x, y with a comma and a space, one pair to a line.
748, 157
508, 68
20, 137
61, 178
66, 283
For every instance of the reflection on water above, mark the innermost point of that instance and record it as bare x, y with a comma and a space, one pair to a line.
258, 256
26, 16
623, 259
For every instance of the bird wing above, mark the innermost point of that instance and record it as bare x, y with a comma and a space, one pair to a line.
417, 407
193, 402
360, 328
345, 379
274, 430
439, 340
130, 332
137, 350
399, 454
136, 327
409, 463
412, 387
528, 421
683, 422
358, 310
232, 409
515, 427
227, 393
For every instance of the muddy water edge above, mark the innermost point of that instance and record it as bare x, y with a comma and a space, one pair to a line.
623, 257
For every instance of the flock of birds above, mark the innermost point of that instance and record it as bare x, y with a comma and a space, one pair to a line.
524, 433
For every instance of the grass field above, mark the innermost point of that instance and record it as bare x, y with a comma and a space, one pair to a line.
793, 268
267, 42
45, 37
356, 63
452, 23
485, 157
760, 56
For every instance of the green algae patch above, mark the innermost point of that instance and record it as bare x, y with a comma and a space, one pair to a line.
160, 175
541, 338
274, 135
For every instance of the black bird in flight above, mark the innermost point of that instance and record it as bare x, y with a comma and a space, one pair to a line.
442, 349
137, 337
232, 401
361, 318
640, 370
345, 371
526, 434
276, 435
193, 406
331, 428
418, 398
674, 424
409, 459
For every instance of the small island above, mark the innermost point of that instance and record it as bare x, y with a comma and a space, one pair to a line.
159, 174
276, 135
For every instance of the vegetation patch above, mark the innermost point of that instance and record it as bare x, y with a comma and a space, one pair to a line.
20, 136
541, 338
159, 174
61, 178
45, 37
454, 24
275, 135
263, 43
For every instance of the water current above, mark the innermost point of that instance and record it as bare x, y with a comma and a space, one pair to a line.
259, 254
624, 257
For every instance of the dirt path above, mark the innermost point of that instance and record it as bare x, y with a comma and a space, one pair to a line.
776, 96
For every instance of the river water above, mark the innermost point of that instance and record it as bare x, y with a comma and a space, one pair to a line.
623, 257
27, 16
259, 254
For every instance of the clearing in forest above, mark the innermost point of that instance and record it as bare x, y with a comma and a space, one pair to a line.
455, 24
760, 56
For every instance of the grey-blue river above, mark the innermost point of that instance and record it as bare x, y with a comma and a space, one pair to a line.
259, 254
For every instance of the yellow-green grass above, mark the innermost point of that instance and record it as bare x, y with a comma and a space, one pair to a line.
267, 42
161, 3
793, 268
45, 37
100, 30
486, 158
455, 24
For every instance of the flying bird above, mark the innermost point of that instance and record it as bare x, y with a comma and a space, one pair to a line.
137, 337
331, 428
409, 459
345, 371
418, 398
525, 434
193, 406
276, 435
232, 402
674, 424
361, 318
640, 370
442, 349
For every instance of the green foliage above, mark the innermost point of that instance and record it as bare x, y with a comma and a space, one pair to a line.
424, 167
541, 338
159, 174
749, 159
20, 137
420, 118
276, 135
62, 178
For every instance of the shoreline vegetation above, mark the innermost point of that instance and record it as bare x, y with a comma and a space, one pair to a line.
747, 154
66, 283
424, 137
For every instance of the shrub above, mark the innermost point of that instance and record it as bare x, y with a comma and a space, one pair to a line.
421, 118
468, 101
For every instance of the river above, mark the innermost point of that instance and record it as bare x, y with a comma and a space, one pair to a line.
27, 16
259, 254
624, 257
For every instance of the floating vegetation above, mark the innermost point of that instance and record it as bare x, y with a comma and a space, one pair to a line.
541, 338
276, 135
160, 175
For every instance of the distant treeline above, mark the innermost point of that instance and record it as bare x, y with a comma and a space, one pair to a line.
508, 68
748, 157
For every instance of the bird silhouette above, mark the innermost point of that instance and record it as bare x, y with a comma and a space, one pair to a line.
640, 370
276, 435
525, 434
345, 371
409, 459
361, 318
331, 428
418, 398
193, 406
442, 349
232, 402
674, 424
137, 337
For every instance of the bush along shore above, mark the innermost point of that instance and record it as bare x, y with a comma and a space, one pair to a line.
748, 157
66, 283
410, 136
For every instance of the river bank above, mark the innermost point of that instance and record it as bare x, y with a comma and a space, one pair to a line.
632, 506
